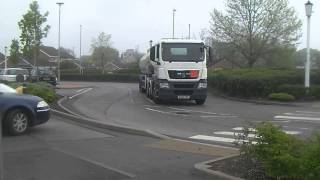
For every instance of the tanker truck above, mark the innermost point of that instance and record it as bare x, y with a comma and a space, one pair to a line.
175, 69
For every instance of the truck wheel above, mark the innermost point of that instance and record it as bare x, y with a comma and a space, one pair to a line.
20, 78
200, 101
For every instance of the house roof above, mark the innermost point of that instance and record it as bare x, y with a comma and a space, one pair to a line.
53, 52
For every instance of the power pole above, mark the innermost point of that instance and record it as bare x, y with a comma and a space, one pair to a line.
189, 30
5, 58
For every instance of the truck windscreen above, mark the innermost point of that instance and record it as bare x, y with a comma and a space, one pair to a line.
182, 52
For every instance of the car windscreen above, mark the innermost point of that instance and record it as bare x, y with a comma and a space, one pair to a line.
183, 52
43, 72
6, 89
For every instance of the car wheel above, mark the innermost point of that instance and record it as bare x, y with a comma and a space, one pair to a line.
20, 78
17, 122
200, 101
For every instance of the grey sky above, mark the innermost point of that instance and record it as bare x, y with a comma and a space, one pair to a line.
131, 22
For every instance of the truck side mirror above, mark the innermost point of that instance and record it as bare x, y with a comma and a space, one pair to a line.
152, 53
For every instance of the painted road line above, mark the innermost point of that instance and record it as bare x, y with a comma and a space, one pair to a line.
242, 128
297, 118
300, 114
154, 110
79, 90
218, 116
82, 92
189, 110
216, 139
308, 112
292, 132
213, 138
228, 133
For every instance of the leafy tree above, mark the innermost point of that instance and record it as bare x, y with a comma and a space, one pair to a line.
300, 57
255, 27
33, 30
14, 52
102, 51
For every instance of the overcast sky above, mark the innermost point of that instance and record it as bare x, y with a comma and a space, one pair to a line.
131, 22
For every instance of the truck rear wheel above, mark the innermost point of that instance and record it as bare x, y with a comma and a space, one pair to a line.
200, 101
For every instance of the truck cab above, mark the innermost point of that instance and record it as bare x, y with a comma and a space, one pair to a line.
175, 69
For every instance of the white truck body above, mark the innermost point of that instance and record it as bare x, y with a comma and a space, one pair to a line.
175, 69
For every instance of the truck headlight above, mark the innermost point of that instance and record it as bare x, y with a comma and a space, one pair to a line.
42, 104
202, 85
164, 85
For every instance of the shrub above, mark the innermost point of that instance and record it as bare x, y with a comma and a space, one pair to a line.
296, 90
44, 90
315, 91
281, 97
284, 156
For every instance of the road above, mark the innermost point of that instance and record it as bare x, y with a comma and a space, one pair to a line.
215, 122
61, 149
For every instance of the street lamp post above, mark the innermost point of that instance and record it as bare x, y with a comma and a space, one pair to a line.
5, 58
189, 31
308, 7
59, 48
173, 14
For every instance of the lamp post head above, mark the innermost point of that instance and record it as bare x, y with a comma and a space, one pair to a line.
60, 3
308, 7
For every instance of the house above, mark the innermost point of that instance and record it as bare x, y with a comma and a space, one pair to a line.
129, 56
48, 57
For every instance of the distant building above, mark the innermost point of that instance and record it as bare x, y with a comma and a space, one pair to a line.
128, 56
48, 57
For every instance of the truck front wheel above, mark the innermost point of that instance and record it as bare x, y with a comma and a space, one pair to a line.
200, 101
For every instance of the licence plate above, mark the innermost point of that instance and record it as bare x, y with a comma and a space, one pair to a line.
183, 97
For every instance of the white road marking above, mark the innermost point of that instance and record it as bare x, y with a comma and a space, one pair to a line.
308, 112
82, 92
242, 128
297, 118
300, 114
218, 116
228, 133
215, 138
292, 132
189, 110
154, 110
130, 96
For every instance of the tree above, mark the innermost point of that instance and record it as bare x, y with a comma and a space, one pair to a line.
102, 50
33, 30
14, 52
255, 28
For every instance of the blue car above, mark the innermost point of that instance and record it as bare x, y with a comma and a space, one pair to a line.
19, 112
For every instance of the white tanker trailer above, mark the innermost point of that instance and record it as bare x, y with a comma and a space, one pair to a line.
175, 69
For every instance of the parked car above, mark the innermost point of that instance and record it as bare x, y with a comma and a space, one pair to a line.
19, 111
14, 75
43, 74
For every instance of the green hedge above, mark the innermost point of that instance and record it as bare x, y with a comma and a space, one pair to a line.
256, 83
101, 77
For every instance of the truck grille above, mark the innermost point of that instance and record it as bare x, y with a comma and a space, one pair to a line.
183, 92
189, 85
189, 74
